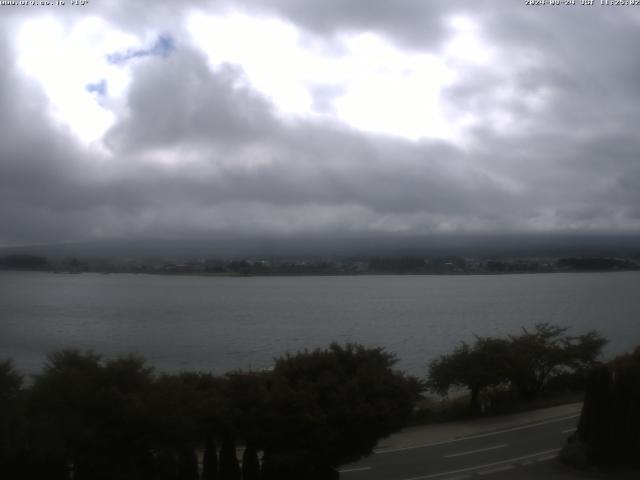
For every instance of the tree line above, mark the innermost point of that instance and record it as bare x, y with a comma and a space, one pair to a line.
388, 265
522, 364
84, 417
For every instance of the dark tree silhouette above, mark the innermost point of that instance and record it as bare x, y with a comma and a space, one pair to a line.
594, 422
114, 420
610, 419
187, 464
12, 419
476, 367
229, 466
166, 465
250, 463
330, 407
210, 459
268, 470
93, 414
524, 362
537, 355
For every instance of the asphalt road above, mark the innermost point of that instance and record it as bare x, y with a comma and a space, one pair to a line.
477, 456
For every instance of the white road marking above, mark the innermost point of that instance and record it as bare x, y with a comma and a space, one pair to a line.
480, 435
486, 465
569, 430
359, 469
475, 451
496, 470
545, 459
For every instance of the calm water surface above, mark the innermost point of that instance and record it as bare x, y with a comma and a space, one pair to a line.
224, 323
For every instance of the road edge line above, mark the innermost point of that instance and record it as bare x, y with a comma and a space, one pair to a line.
479, 435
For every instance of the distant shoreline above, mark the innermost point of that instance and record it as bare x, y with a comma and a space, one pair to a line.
251, 267
363, 274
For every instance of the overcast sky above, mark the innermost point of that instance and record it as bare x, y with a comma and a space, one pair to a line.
170, 119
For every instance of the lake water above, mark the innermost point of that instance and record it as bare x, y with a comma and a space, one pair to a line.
223, 323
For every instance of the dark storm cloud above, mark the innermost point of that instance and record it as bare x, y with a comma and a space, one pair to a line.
412, 22
197, 106
554, 145
51, 187
247, 154
36, 163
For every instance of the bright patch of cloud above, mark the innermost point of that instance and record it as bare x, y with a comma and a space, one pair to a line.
268, 51
391, 91
377, 87
360, 79
467, 44
71, 67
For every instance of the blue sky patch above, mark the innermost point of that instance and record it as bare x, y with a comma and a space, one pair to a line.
162, 47
99, 87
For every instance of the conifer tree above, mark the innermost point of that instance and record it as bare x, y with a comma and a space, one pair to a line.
250, 463
229, 466
166, 466
210, 460
187, 464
